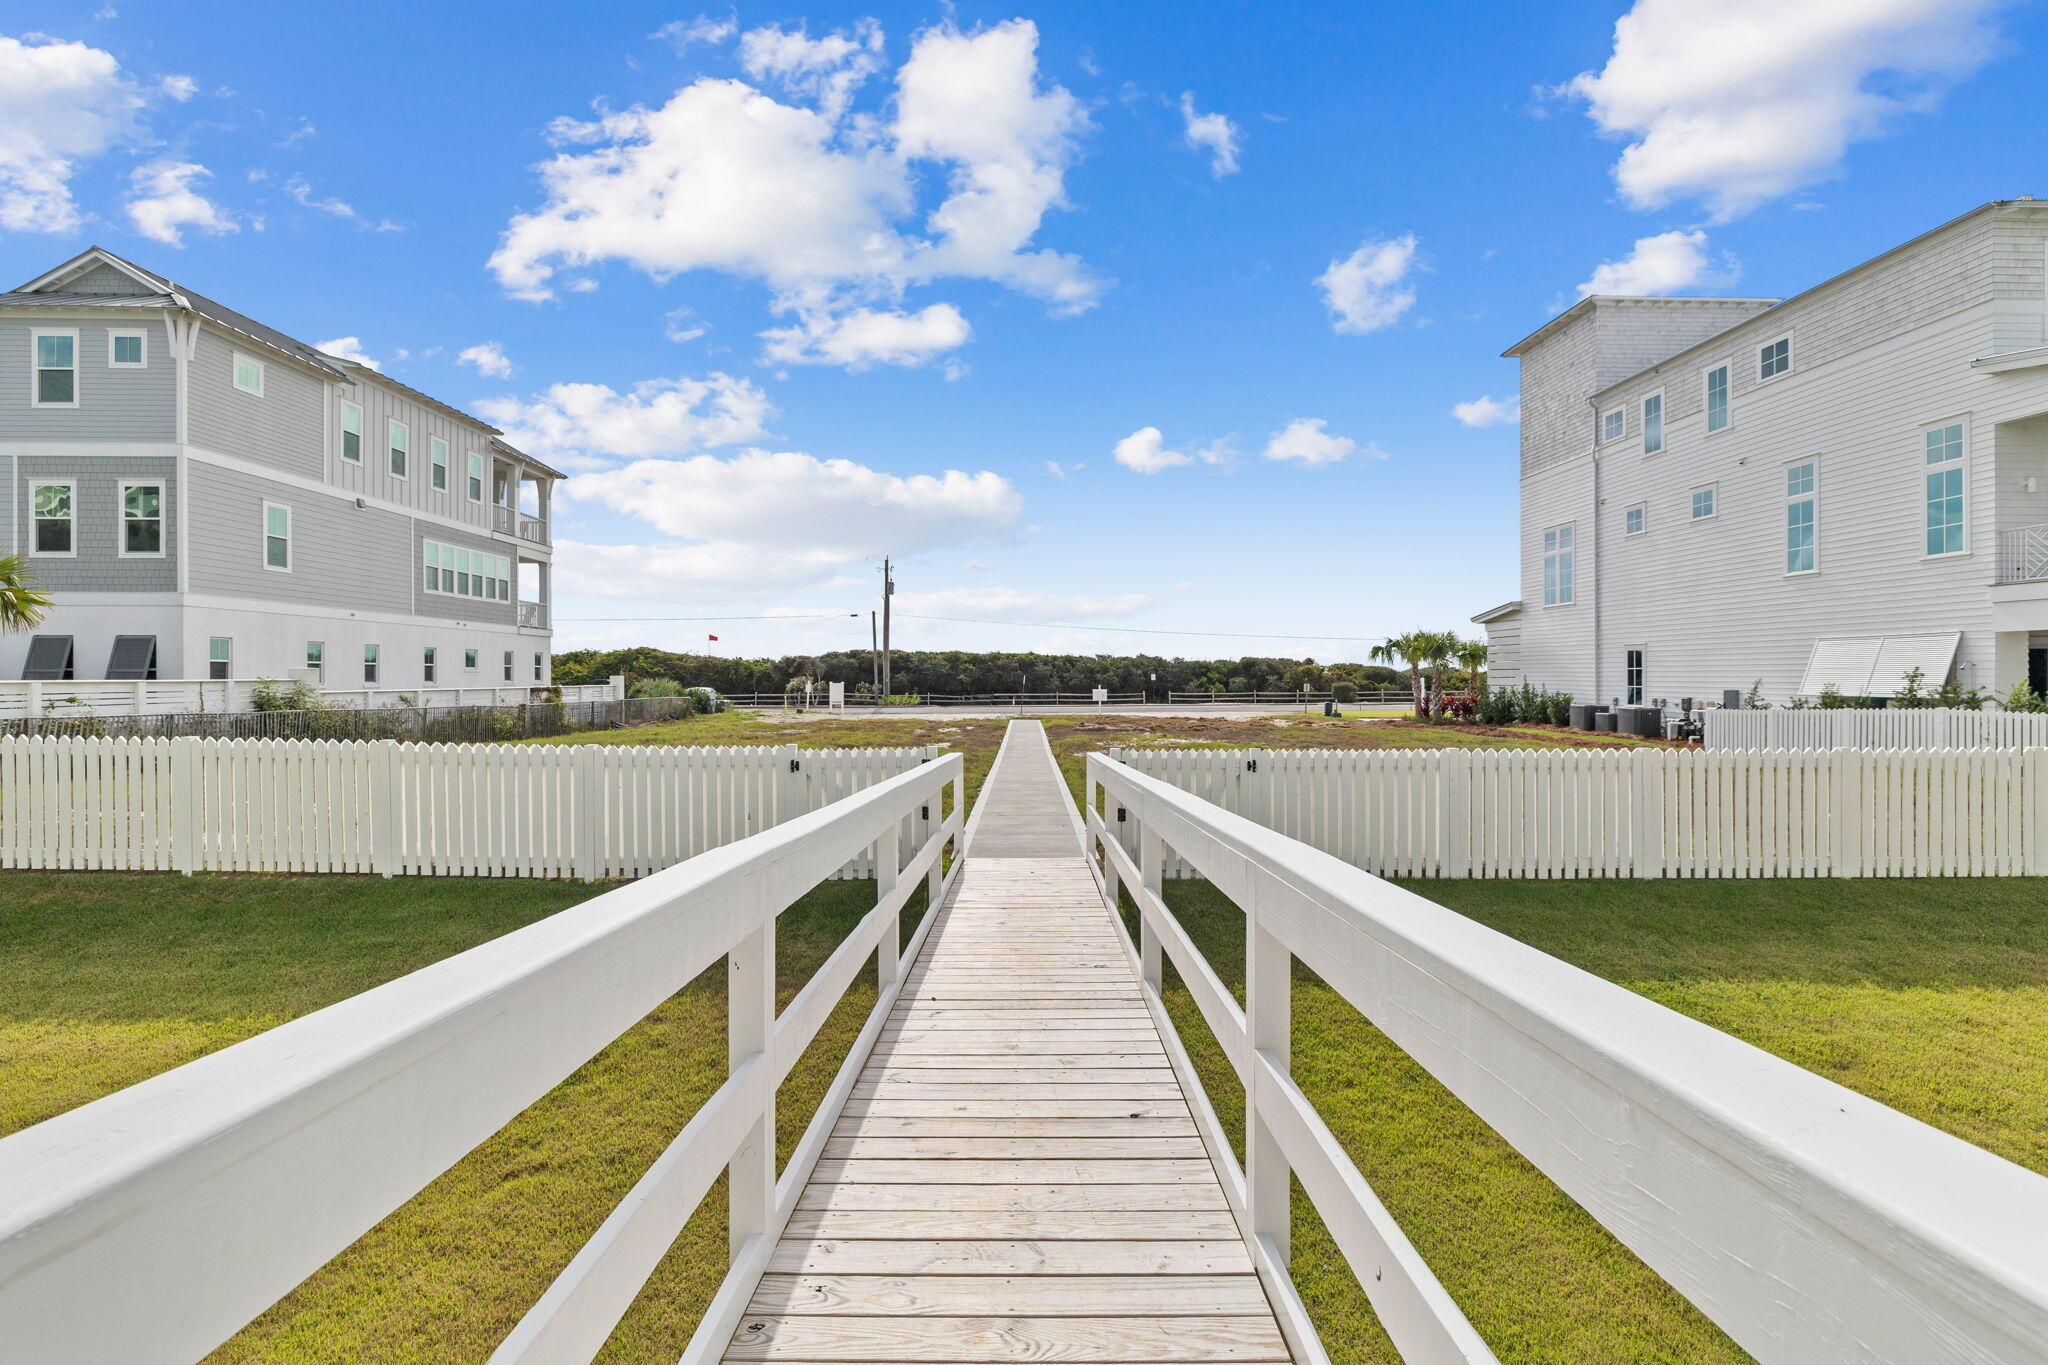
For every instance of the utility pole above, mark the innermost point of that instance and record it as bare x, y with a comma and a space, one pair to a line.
874, 656
888, 591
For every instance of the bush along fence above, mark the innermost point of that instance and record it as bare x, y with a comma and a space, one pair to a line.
585, 811
1920, 728
426, 724
1636, 812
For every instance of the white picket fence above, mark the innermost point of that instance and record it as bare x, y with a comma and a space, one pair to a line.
1636, 812
472, 810
1930, 728
176, 696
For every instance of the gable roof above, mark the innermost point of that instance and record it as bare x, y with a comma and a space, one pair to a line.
1499, 613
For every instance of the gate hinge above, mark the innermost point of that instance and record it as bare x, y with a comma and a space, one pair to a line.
1251, 765
795, 766
1120, 814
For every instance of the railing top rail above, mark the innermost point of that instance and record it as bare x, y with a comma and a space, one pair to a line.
343, 1114
1797, 1213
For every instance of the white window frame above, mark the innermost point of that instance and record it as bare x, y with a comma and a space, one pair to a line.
1962, 463
1790, 358
121, 519
227, 665
235, 373
1658, 399
392, 426
373, 665
508, 665
1621, 428
471, 660
540, 668
1713, 492
346, 408
71, 518
1633, 695
35, 366
116, 333
287, 537
473, 472
1641, 513
316, 659
430, 663
1560, 589
1727, 398
1812, 495
437, 463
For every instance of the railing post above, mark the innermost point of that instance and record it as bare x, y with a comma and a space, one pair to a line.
888, 866
750, 1028
1151, 863
1268, 1013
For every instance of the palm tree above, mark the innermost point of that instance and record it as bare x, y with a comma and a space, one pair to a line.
1471, 656
1438, 647
1410, 651
22, 605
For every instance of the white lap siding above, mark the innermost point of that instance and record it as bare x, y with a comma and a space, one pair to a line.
1557, 641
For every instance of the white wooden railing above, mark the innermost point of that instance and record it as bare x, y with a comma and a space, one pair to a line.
184, 696
149, 1226
1634, 812
469, 810
1888, 728
2023, 554
1813, 1225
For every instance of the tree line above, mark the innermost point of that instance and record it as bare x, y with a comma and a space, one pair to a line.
962, 673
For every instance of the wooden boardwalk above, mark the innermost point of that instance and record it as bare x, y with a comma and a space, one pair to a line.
1017, 1176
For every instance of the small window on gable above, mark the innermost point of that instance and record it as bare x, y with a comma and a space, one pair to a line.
128, 350
351, 431
1653, 424
248, 374
1613, 424
1774, 358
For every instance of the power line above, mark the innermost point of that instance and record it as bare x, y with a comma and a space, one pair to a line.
980, 621
771, 616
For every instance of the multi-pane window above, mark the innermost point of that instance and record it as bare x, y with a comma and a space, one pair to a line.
127, 351
142, 518
1945, 490
1635, 520
370, 665
351, 431
1705, 502
538, 668
249, 374
1717, 398
469, 660
401, 445
476, 478
1653, 424
437, 461
508, 665
427, 664
56, 377
1774, 359
1802, 518
51, 508
220, 658
466, 573
1558, 587
1612, 424
277, 536
1632, 676
316, 659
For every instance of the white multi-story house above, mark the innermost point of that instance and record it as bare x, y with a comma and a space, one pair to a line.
206, 497
1830, 489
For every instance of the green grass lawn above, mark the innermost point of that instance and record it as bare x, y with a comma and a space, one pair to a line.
108, 978
1930, 995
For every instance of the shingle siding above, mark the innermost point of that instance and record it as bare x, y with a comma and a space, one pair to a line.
342, 555
108, 280
114, 404
98, 565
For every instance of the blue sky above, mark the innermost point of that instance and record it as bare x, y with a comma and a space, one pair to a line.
1262, 251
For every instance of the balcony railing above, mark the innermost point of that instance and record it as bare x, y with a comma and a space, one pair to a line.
513, 522
2023, 555
533, 614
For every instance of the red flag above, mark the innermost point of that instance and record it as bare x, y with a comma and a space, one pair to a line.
712, 637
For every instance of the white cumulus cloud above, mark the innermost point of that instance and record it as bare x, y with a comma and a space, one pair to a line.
164, 202
1487, 411
488, 358
1372, 287
683, 34
301, 193
1662, 264
867, 336
1307, 441
817, 202
1211, 133
1739, 101
347, 348
592, 425
1145, 450
60, 104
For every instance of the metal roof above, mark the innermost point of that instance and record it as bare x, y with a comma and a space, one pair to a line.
1496, 613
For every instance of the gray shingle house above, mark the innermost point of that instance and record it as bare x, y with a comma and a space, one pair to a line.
206, 497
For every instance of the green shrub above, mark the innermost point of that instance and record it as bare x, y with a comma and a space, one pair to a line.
1344, 693
298, 695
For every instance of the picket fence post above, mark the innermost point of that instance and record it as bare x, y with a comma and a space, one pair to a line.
185, 804
2034, 792
1454, 812
1647, 816
1842, 842
384, 799
589, 811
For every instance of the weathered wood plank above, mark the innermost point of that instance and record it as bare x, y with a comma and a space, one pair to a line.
1081, 1296
1009, 1125
1202, 1196
967, 1172
1084, 1341
1150, 1146
835, 1256
1072, 1102
939, 1225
